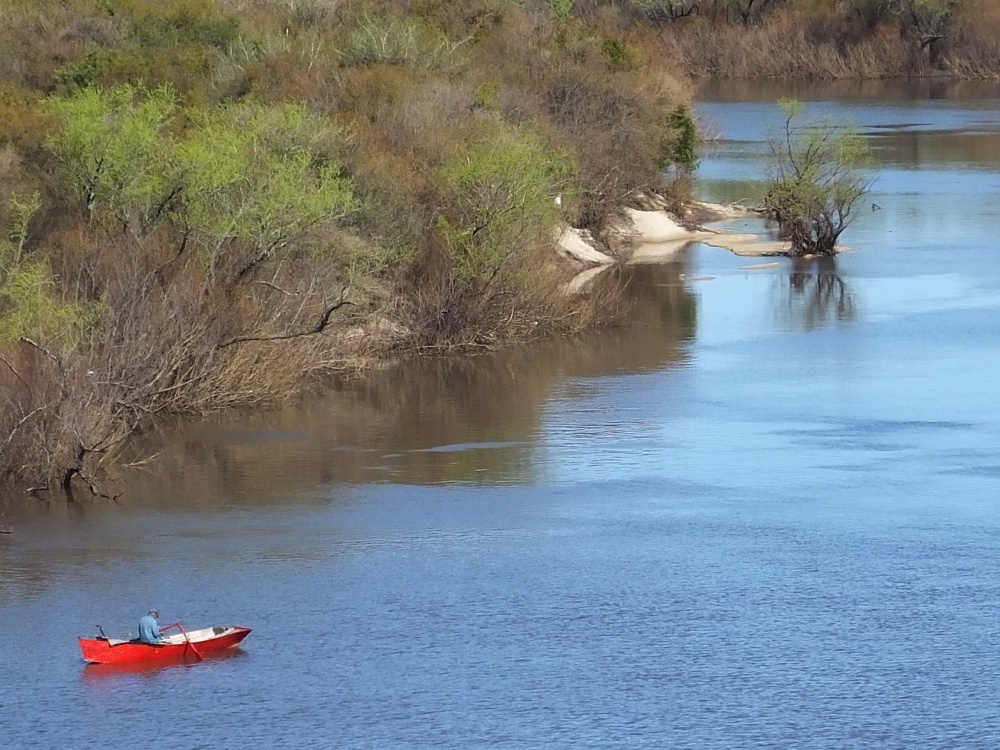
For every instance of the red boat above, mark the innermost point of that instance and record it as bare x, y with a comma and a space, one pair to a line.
191, 644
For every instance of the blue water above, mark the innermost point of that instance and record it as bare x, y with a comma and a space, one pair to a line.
764, 515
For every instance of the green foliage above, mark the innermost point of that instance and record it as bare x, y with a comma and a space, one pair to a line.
486, 95
817, 176
561, 8
505, 182
115, 145
22, 211
682, 144
245, 180
30, 305
619, 54
255, 181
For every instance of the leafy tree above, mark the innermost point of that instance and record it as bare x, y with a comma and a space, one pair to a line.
255, 181
244, 180
816, 177
682, 145
116, 146
505, 184
30, 305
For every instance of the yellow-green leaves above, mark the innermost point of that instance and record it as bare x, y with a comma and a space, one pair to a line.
505, 184
30, 305
116, 146
257, 178
243, 180
817, 174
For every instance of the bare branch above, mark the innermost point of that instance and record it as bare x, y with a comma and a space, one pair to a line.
321, 324
11, 368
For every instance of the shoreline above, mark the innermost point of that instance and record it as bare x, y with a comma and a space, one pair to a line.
659, 236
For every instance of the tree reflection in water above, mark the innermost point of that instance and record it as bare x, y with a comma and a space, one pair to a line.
817, 296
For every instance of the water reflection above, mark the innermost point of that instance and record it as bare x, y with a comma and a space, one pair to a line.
908, 148
424, 422
902, 92
462, 419
815, 295
99, 675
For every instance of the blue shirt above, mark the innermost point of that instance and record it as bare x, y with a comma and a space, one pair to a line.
148, 630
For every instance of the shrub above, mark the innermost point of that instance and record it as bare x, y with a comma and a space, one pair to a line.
389, 41
255, 182
817, 176
681, 147
30, 303
117, 152
504, 182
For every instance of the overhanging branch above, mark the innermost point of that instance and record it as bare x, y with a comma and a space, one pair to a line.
322, 323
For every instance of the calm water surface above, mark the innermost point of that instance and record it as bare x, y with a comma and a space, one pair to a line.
764, 515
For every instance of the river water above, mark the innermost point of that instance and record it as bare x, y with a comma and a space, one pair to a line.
764, 514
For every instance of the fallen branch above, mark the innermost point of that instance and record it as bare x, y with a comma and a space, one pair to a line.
323, 322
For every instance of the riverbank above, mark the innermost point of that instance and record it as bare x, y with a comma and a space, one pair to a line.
823, 39
656, 235
211, 208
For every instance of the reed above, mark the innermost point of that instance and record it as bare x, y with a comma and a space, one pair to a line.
796, 41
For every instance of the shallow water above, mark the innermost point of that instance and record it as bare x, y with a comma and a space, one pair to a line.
764, 515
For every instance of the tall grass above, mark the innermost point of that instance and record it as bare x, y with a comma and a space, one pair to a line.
796, 41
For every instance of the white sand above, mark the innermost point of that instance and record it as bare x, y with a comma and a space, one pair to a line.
657, 237
652, 230
578, 245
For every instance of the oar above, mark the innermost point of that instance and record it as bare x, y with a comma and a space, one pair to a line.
188, 639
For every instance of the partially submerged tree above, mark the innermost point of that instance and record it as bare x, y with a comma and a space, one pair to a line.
817, 175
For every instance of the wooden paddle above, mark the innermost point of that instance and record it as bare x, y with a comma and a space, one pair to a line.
186, 638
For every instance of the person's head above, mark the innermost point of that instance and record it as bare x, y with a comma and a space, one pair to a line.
154, 612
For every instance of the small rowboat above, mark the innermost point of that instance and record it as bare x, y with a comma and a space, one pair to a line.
192, 644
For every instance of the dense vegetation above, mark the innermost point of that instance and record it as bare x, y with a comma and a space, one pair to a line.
831, 38
211, 203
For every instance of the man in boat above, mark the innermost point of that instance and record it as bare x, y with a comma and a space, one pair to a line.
149, 631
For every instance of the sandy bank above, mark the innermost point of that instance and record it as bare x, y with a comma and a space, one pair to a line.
656, 236
654, 231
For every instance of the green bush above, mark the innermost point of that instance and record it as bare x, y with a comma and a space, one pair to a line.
817, 175
504, 182
255, 181
681, 148
30, 303
117, 151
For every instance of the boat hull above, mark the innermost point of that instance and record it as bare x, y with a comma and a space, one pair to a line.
177, 647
